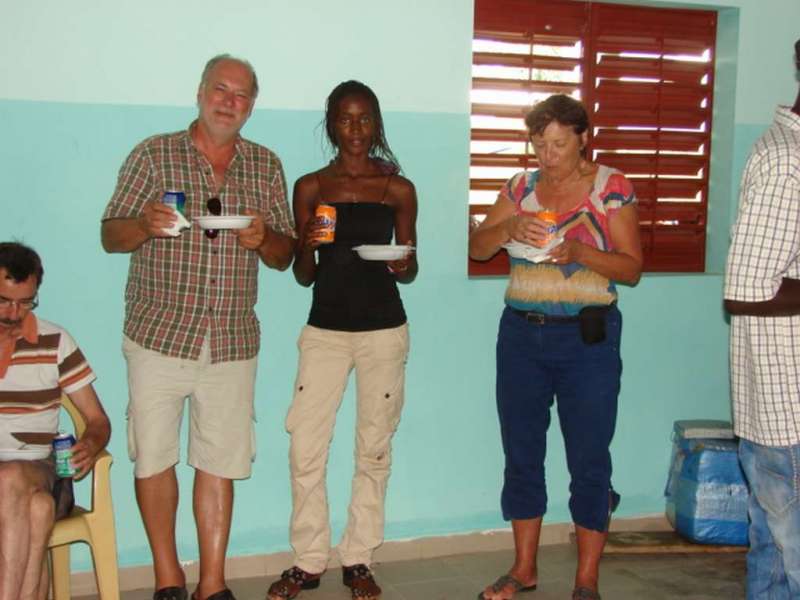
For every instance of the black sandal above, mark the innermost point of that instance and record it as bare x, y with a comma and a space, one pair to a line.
172, 592
506, 580
584, 593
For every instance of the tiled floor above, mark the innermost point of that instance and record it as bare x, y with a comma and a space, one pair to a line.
461, 577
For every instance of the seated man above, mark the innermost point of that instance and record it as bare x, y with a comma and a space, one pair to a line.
38, 361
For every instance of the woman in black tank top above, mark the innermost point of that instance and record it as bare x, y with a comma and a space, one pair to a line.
357, 321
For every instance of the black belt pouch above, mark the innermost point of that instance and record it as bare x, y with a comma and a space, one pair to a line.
593, 324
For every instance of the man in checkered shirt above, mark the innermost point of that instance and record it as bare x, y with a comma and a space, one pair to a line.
190, 324
762, 293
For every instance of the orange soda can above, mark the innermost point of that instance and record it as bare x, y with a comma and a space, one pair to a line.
327, 218
549, 217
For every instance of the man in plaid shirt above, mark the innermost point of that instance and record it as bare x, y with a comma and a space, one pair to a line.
762, 293
190, 325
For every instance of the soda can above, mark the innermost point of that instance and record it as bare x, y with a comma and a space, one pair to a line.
62, 448
549, 217
175, 199
327, 218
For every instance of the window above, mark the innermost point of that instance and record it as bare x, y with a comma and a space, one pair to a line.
646, 77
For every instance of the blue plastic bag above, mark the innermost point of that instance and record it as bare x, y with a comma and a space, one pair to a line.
706, 491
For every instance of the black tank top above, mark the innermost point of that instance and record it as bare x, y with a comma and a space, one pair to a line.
352, 294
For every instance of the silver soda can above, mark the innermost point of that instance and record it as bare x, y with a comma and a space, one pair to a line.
62, 448
175, 199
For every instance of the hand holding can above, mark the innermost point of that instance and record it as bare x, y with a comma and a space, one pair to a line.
550, 220
62, 449
326, 223
177, 202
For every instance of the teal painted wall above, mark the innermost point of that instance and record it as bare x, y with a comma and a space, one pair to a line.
80, 85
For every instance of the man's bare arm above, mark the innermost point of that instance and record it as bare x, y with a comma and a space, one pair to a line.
785, 303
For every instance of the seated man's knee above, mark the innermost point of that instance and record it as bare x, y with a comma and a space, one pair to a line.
13, 481
43, 510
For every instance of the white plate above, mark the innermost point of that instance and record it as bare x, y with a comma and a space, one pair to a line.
532, 253
382, 251
224, 221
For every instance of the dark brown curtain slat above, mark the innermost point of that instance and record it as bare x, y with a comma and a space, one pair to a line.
631, 116
523, 85
525, 61
520, 161
683, 165
499, 110
617, 139
655, 187
486, 185
685, 73
499, 135
652, 96
526, 37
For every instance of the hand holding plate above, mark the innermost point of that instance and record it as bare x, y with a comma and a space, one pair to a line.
400, 265
252, 236
569, 251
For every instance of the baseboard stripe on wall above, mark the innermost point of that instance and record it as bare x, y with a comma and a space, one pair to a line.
266, 565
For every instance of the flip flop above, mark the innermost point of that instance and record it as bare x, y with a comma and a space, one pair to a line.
506, 580
583, 593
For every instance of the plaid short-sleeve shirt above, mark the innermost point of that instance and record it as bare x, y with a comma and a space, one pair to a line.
183, 289
765, 351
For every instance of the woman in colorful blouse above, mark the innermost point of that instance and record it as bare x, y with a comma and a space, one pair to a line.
559, 334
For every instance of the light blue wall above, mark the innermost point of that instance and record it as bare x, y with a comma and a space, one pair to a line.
81, 83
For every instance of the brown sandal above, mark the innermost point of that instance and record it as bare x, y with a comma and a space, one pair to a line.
292, 582
361, 582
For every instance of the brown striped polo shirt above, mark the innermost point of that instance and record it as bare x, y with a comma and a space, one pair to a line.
30, 391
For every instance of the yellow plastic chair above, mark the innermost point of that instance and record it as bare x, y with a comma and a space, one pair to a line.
94, 526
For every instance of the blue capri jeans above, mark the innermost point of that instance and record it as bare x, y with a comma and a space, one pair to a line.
537, 363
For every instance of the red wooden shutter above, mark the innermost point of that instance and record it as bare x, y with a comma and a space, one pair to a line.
650, 82
646, 78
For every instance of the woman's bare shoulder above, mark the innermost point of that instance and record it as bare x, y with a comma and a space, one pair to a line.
401, 187
307, 186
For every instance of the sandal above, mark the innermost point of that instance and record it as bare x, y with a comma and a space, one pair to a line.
361, 582
506, 580
224, 594
172, 592
583, 593
292, 582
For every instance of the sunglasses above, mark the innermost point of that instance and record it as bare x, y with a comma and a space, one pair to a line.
214, 206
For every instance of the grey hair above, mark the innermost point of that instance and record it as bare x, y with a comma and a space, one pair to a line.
219, 58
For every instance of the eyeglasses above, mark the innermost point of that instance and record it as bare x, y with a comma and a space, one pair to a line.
214, 206
21, 304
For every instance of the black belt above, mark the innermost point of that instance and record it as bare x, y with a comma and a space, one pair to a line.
541, 318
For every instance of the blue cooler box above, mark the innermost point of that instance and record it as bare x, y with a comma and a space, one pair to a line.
706, 491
